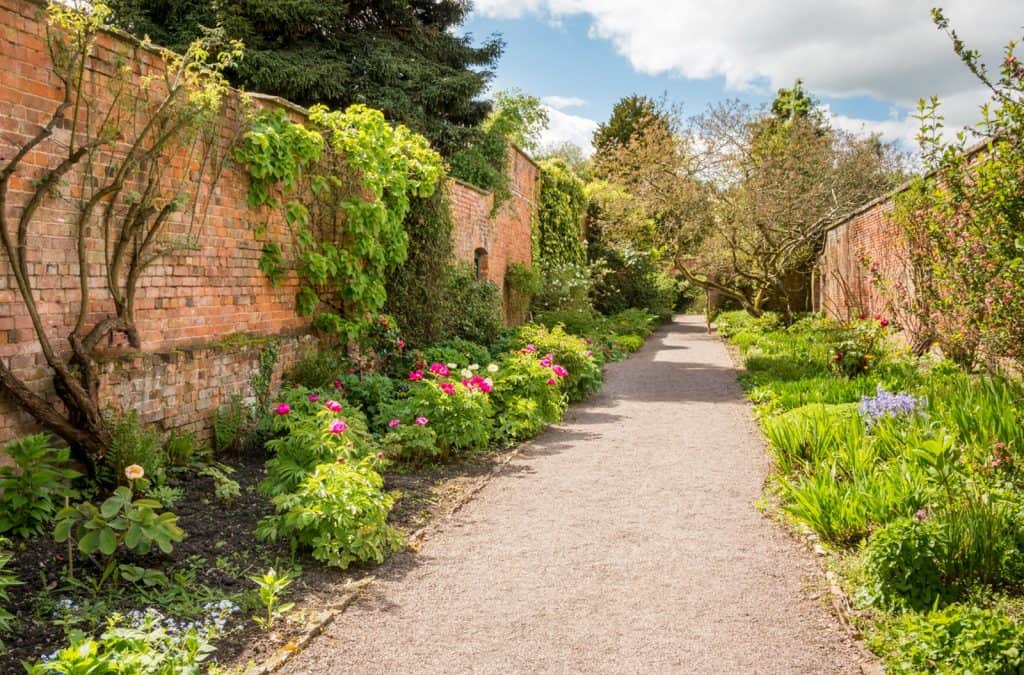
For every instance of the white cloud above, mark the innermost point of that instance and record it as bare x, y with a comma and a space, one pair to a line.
842, 48
562, 102
566, 128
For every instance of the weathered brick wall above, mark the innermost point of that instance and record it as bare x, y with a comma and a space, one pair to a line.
193, 306
865, 245
505, 236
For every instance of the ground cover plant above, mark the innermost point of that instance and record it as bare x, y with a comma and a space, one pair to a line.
907, 469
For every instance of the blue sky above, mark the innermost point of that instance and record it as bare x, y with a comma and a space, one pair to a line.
867, 60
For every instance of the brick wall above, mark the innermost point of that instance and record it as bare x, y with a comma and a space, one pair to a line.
191, 303
505, 236
863, 245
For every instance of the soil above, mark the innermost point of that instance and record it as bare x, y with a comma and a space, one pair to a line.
219, 530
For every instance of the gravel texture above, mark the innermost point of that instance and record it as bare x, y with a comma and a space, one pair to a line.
624, 540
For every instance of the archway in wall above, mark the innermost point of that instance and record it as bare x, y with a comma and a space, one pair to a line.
480, 263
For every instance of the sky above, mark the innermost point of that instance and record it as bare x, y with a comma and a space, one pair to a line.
867, 61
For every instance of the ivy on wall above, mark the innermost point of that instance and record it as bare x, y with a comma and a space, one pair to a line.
561, 213
343, 185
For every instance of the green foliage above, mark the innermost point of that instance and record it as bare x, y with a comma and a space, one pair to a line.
317, 369
518, 118
624, 278
344, 189
264, 376
524, 400
229, 425
461, 352
411, 443
167, 496
857, 348
133, 444
569, 351
181, 449
271, 586
148, 644
902, 567
562, 209
473, 307
522, 282
120, 521
630, 115
370, 391
957, 639
339, 512
31, 491
225, 488
461, 419
308, 436
7, 580
566, 286
409, 60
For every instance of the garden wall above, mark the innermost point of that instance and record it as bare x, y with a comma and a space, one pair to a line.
203, 314
493, 241
866, 242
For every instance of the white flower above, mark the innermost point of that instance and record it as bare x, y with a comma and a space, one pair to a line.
452, 366
474, 366
467, 373
493, 368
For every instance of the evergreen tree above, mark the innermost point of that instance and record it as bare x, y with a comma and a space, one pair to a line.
629, 116
400, 56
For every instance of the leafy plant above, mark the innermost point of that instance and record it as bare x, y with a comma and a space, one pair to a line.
271, 586
372, 392
181, 449
459, 414
339, 512
225, 488
524, 399
133, 444
584, 372
31, 490
229, 423
857, 348
7, 580
167, 496
902, 565
410, 443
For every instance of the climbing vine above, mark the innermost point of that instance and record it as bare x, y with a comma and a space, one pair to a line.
562, 209
343, 186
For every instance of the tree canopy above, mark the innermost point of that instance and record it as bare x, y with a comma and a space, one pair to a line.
399, 56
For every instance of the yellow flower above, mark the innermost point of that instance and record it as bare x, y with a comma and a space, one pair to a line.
134, 472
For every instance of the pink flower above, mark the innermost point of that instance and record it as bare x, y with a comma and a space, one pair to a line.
921, 514
380, 455
590, 353
560, 371
551, 381
400, 344
448, 387
416, 375
883, 323
338, 426
421, 421
333, 406
337, 384
313, 398
546, 362
283, 408
341, 460
440, 369
530, 348
393, 423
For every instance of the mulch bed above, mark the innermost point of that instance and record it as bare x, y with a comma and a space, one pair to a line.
219, 531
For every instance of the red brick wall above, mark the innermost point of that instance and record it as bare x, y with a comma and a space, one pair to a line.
505, 235
189, 302
865, 244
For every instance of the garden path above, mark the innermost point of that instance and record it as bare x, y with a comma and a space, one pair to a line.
625, 539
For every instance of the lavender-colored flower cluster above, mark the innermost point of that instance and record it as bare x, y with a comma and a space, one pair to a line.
887, 404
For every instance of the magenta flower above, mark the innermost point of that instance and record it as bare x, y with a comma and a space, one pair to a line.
416, 375
590, 353
551, 381
283, 408
337, 384
333, 406
530, 348
883, 323
448, 387
546, 362
560, 371
393, 423
440, 369
421, 421
313, 398
338, 426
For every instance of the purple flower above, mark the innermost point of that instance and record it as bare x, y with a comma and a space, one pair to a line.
313, 398
887, 404
393, 423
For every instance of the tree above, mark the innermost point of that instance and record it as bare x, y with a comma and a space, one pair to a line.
518, 118
629, 116
401, 57
106, 153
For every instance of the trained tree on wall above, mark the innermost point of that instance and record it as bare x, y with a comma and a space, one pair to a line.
108, 151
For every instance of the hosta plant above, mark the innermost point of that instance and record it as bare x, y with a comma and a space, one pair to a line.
32, 490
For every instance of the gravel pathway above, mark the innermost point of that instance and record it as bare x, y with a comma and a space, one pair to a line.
624, 540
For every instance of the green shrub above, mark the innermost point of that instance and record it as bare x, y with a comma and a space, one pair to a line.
628, 343
6, 581
317, 369
856, 348
581, 322
633, 321
902, 566
32, 490
802, 438
461, 352
307, 435
339, 512
370, 391
473, 309
132, 444
181, 449
524, 400
566, 287
459, 415
229, 425
956, 639
569, 351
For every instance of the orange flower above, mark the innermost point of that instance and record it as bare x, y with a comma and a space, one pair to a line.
134, 472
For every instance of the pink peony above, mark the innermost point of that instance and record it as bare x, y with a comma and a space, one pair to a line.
337, 384
883, 323
546, 362
448, 387
416, 375
551, 381
440, 369
530, 348
393, 423
421, 421
560, 371
313, 398
590, 353
333, 406
283, 408
338, 426
400, 344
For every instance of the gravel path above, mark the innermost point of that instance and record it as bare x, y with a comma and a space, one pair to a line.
623, 540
